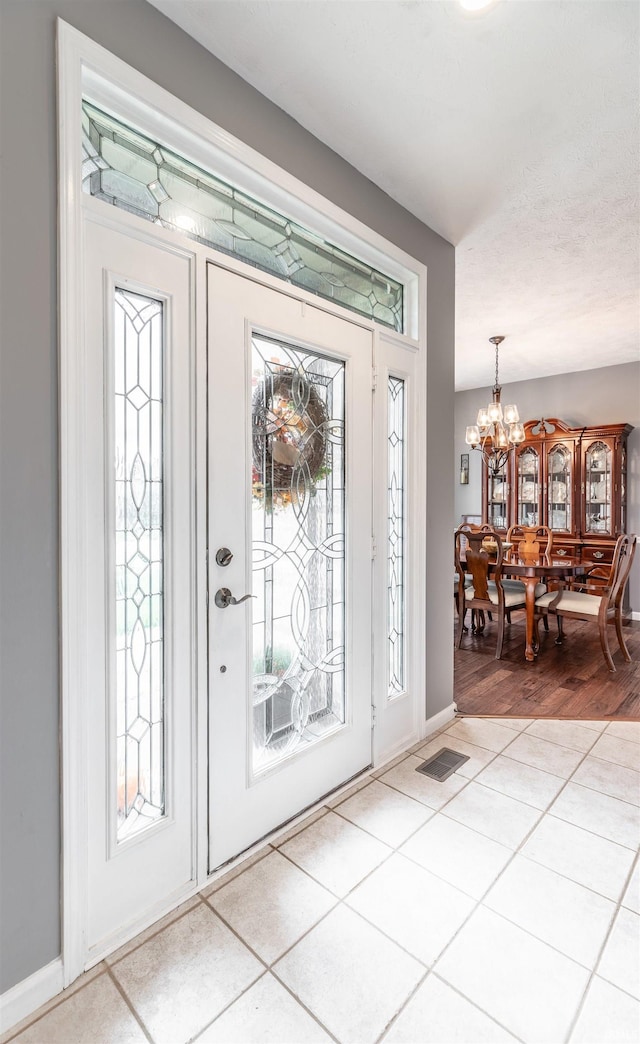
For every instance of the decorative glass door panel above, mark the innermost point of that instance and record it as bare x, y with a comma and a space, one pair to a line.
290, 499
497, 498
559, 489
528, 487
395, 535
598, 488
297, 486
139, 553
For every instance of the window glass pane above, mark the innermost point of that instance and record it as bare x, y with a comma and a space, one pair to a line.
395, 537
128, 170
298, 497
139, 561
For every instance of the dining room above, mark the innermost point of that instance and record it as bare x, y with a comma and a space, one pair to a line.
542, 671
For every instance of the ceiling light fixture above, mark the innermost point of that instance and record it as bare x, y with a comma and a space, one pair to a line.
496, 431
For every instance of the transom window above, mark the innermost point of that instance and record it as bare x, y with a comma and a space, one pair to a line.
129, 170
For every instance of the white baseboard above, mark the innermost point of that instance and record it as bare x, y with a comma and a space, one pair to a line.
438, 721
635, 616
26, 997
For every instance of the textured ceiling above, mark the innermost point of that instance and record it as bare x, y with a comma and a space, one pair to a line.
514, 133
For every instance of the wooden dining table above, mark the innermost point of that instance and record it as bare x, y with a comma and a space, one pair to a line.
532, 569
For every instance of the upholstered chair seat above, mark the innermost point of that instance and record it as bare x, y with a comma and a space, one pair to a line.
567, 603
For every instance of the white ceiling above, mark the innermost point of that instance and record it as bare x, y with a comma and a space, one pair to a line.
514, 133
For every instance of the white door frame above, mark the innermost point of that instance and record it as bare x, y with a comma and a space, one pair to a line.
86, 69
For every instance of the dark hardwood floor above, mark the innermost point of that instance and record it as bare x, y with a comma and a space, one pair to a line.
567, 681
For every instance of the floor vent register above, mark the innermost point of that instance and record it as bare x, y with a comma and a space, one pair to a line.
441, 765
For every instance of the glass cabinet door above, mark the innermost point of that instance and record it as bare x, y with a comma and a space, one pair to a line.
497, 496
559, 485
623, 490
528, 487
597, 492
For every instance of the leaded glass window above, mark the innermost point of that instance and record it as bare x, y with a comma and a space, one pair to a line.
395, 536
139, 560
298, 498
127, 169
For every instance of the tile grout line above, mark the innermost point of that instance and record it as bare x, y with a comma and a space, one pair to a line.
129, 1004
111, 961
269, 968
594, 970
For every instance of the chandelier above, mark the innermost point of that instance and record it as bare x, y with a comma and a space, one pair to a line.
497, 430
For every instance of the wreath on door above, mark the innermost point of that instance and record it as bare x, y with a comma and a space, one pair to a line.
289, 449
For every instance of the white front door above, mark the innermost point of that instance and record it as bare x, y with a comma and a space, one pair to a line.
289, 524
139, 583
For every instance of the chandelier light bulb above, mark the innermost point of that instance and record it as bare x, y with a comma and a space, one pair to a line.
494, 410
516, 433
472, 437
483, 417
511, 415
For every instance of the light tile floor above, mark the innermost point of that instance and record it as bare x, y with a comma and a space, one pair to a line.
501, 905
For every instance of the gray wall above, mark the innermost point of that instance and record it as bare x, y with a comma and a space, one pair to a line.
609, 395
136, 32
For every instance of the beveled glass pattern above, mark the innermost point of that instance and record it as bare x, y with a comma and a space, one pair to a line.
497, 490
127, 169
559, 486
139, 561
298, 498
528, 479
598, 488
395, 537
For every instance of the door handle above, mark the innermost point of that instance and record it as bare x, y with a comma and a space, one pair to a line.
223, 598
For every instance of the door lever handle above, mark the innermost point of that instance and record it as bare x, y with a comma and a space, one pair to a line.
224, 598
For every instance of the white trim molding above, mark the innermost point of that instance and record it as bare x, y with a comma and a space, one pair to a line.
27, 996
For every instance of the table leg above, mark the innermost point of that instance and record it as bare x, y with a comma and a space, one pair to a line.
530, 583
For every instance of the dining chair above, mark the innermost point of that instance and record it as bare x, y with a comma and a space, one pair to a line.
572, 604
531, 539
483, 594
474, 528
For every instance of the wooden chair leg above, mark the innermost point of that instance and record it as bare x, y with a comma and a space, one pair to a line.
546, 622
536, 631
461, 616
604, 642
500, 636
560, 638
621, 641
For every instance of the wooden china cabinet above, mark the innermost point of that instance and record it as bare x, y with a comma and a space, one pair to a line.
570, 479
